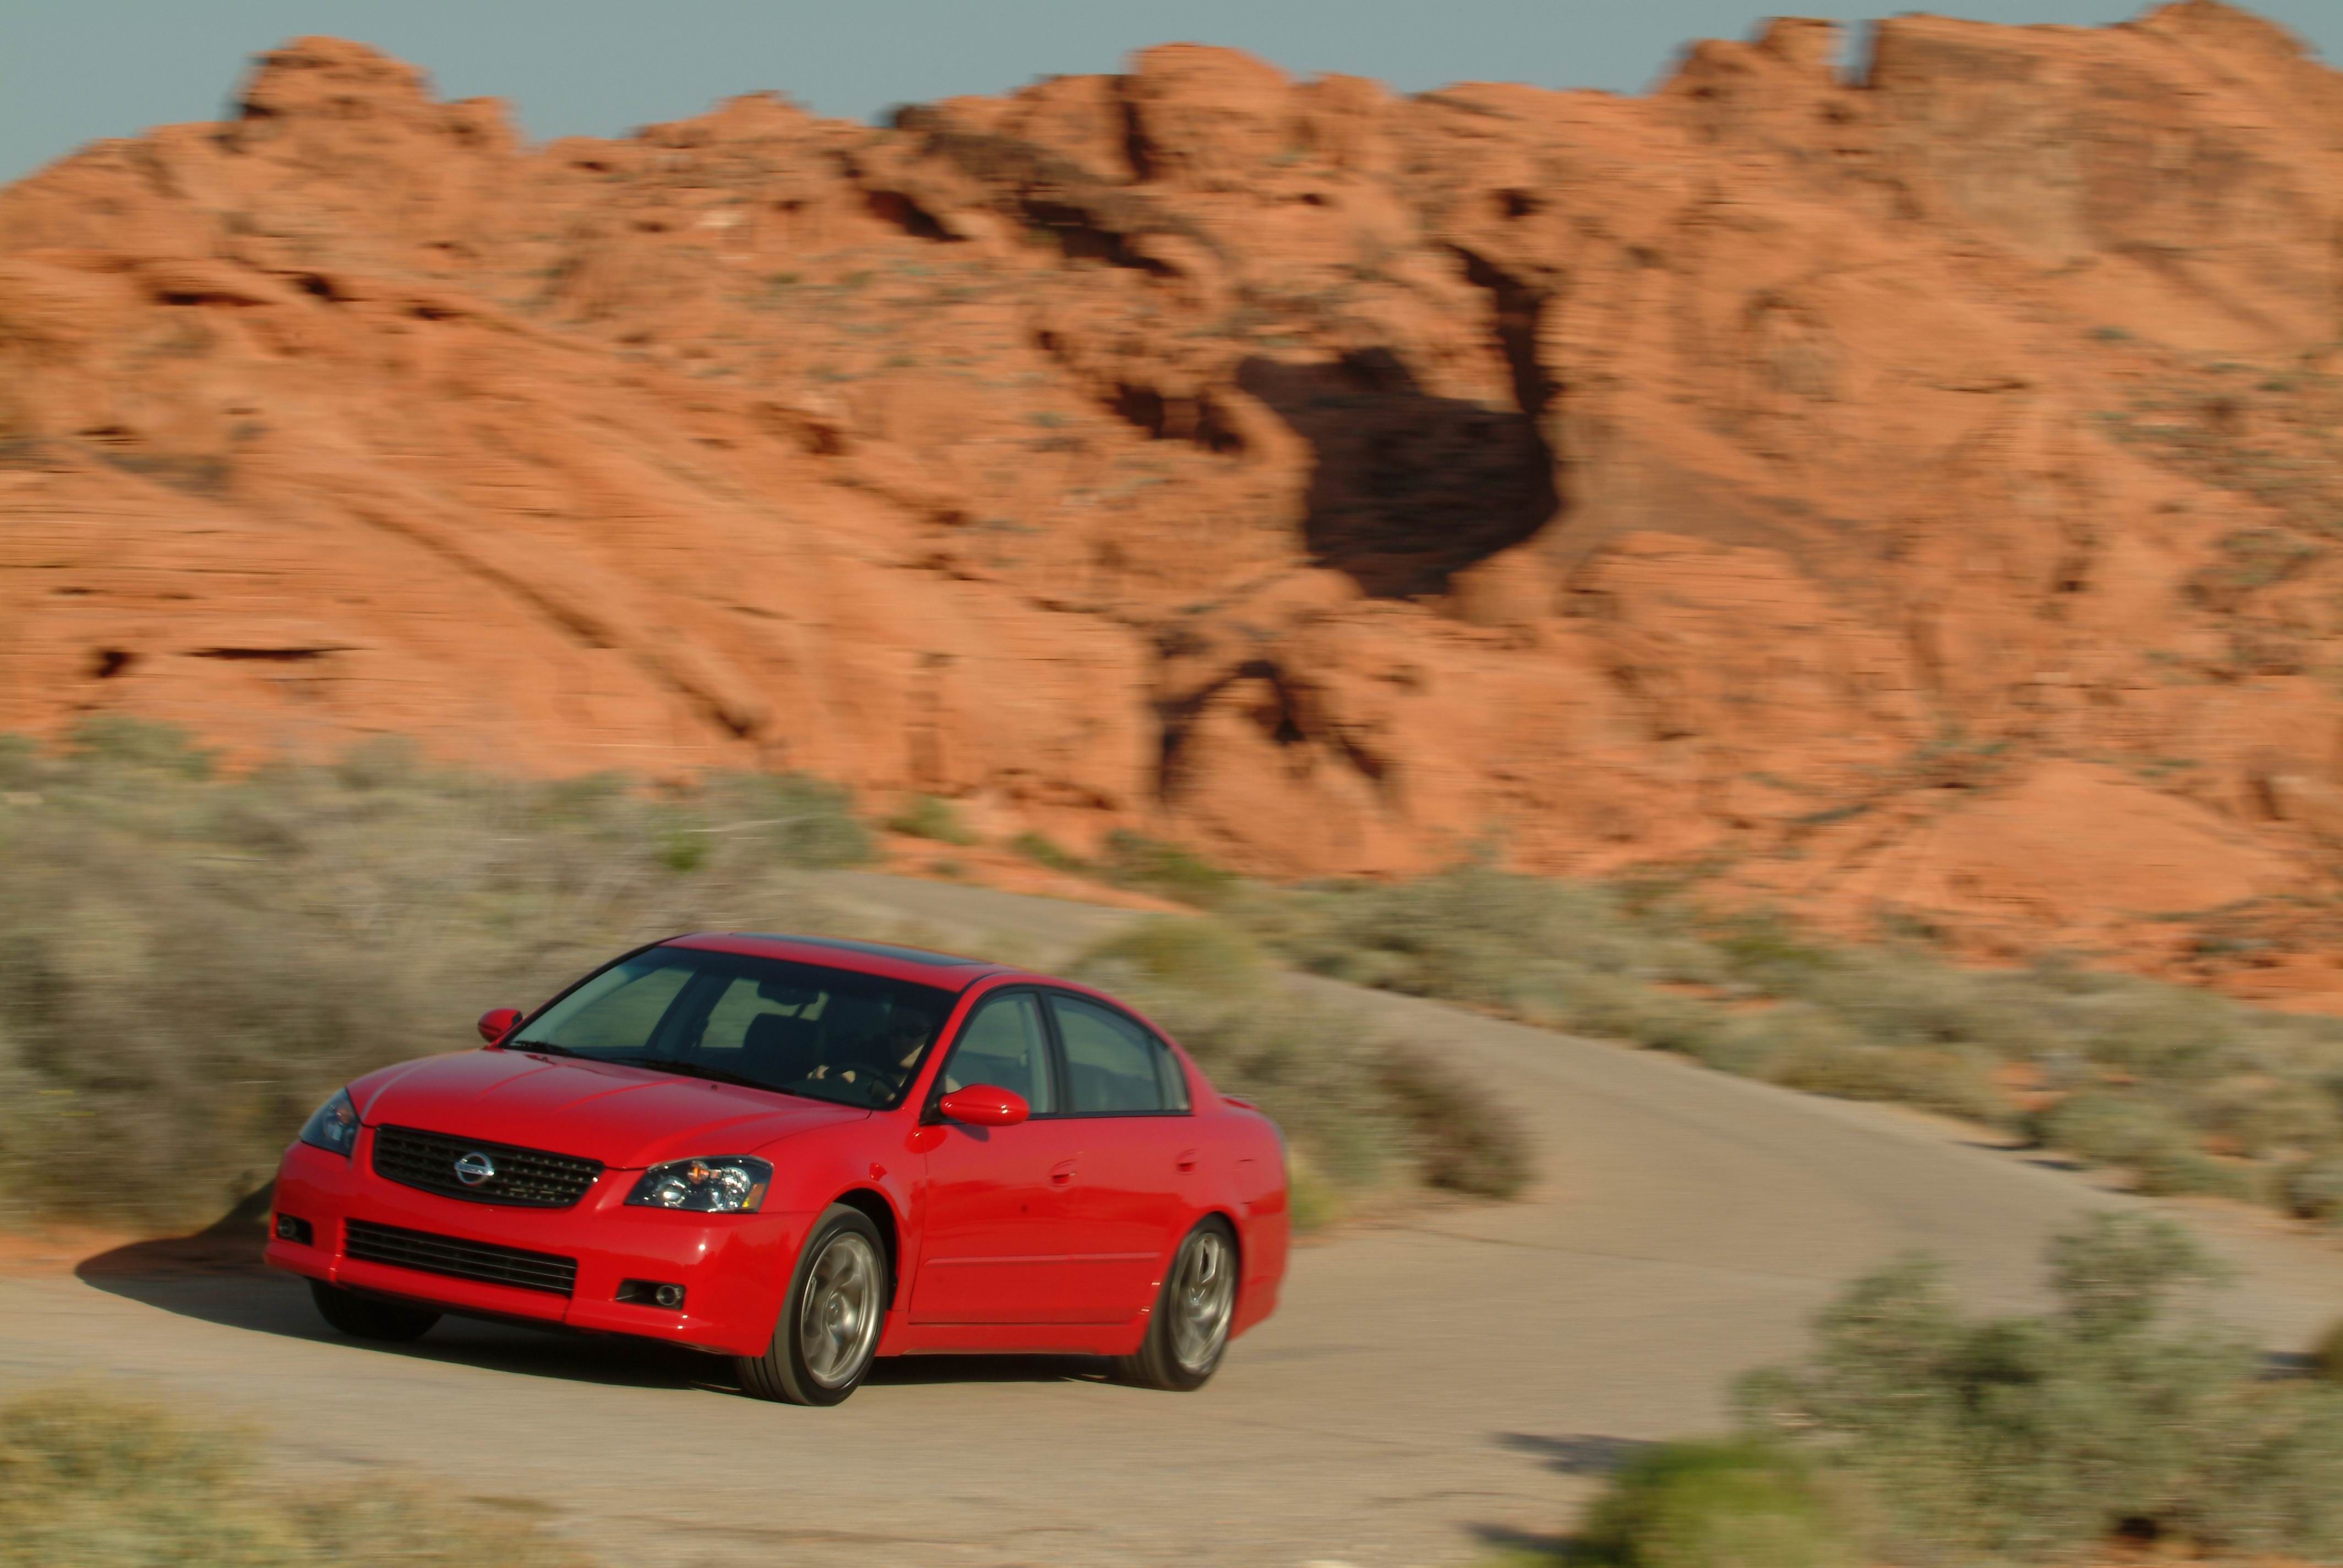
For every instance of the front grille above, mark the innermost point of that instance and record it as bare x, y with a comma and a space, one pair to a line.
453, 1255
529, 1177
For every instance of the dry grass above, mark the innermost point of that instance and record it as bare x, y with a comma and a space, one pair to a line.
2191, 1091
91, 1479
1915, 1434
193, 963
2034, 1438
1358, 1111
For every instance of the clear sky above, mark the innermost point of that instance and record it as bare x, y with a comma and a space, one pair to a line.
74, 70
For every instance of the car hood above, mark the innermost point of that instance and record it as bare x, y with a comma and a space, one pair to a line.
625, 1117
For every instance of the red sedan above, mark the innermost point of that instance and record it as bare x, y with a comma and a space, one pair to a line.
803, 1154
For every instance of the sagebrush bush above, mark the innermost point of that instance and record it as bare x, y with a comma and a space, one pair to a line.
2194, 1092
2028, 1438
2326, 1356
95, 1481
930, 817
1735, 1504
2313, 1189
1352, 1103
1047, 852
191, 963
1133, 860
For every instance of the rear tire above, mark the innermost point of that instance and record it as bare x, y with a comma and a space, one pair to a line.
1189, 1330
370, 1317
828, 1335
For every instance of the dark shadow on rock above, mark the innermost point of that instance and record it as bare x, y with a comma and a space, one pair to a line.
1576, 1453
1408, 488
216, 1276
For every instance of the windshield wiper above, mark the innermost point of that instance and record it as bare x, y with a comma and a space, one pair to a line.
543, 1047
692, 1070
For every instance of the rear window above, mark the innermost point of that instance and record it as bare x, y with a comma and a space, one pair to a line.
801, 1028
1113, 1067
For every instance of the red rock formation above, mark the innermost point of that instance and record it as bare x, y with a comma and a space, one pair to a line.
1913, 493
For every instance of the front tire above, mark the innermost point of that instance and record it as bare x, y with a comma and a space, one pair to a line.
370, 1317
828, 1335
1189, 1329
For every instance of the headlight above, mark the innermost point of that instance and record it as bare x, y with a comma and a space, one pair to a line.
726, 1184
335, 1126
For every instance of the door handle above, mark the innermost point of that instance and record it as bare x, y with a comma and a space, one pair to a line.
1062, 1174
1185, 1160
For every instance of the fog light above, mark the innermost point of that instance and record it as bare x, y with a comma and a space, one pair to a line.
651, 1294
291, 1229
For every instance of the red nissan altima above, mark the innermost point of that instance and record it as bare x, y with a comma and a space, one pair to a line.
803, 1154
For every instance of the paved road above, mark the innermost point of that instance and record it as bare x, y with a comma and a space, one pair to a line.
1428, 1387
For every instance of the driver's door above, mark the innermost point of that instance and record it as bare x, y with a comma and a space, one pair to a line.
997, 1243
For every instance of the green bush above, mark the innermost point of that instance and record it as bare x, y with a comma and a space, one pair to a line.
98, 1482
928, 817
1737, 1504
2028, 1438
195, 962
1352, 1104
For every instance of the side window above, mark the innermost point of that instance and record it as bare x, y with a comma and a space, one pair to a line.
1113, 1067
1003, 1045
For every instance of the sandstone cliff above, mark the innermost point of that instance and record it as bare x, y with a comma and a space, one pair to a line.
1910, 495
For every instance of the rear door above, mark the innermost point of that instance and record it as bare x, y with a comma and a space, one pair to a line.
1000, 1239
1128, 1199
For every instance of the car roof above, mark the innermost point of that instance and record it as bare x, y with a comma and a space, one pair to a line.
947, 972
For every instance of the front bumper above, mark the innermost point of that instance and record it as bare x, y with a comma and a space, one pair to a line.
733, 1267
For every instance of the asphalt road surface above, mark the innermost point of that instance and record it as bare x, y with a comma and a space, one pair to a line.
1429, 1387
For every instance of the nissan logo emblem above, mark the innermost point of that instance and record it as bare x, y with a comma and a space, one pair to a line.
474, 1168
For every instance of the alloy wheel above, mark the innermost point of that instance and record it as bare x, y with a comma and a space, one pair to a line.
838, 1323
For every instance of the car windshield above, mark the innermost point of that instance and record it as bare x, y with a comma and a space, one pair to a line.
801, 1028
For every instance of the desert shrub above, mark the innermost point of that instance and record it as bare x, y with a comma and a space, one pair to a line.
2144, 1074
2326, 1356
194, 962
2029, 1437
1837, 1062
2265, 1117
930, 817
1736, 1503
2311, 1189
1044, 850
1465, 1139
2134, 1128
2114, 1127
1151, 864
1352, 1104
1202, 955
99, 1482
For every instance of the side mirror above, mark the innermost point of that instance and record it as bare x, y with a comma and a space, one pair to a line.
984, 1105
497, 1022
